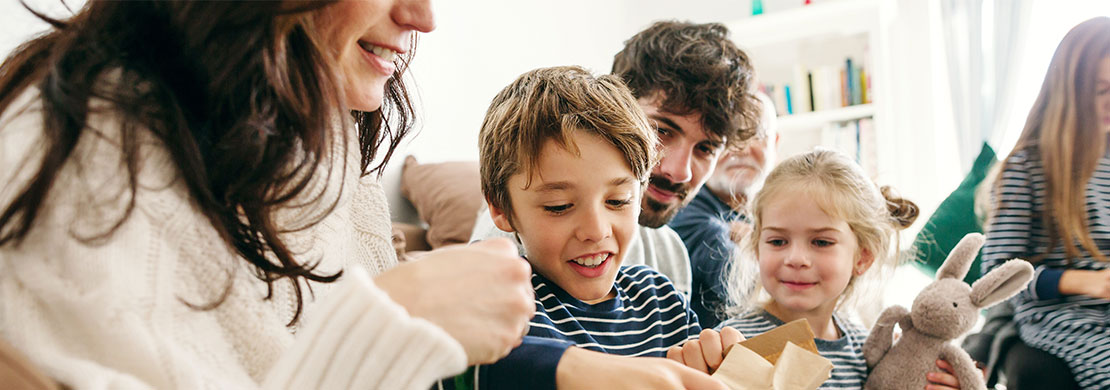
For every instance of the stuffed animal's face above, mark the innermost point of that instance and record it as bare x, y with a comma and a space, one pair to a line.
944, 309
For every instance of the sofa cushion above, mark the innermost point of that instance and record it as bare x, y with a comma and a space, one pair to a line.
954, 218
446, 195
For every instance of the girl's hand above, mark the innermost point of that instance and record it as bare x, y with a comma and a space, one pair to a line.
1086, 282
707, 352
944, 380
584, 369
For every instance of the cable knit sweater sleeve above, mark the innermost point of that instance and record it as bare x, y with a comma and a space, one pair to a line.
124, 310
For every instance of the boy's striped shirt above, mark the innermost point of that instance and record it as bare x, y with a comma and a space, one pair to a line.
647, 316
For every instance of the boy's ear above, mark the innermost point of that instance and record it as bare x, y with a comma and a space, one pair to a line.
866, 259
500, 218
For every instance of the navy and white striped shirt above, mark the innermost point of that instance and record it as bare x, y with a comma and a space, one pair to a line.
647, 317
1074, 328
846, 353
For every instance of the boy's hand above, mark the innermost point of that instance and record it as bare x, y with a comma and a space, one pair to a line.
707, 352
584, 369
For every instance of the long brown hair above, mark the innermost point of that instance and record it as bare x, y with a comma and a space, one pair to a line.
1063, 132
240, 94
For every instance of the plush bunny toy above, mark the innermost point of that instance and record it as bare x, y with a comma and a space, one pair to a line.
944, 310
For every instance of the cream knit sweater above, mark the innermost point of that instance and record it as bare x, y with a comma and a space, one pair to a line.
110, 312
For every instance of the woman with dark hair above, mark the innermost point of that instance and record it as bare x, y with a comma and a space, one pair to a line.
191, 201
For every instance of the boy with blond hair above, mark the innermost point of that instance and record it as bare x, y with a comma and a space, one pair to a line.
564, 160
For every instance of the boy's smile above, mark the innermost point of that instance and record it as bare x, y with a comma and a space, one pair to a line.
576, 214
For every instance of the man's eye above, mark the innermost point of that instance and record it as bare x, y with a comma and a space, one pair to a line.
559, 209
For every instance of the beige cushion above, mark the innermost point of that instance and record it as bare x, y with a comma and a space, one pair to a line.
446, 195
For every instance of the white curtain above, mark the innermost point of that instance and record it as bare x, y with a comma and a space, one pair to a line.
983, 42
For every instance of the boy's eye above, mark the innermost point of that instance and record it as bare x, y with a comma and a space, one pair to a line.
663, 132
618, 203
822, 242
559, 209
776, 242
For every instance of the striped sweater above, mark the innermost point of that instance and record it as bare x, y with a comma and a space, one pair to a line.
647, 317
1073, 328
846, 353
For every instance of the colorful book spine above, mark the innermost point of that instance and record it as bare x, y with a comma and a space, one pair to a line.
789, 101
849, 75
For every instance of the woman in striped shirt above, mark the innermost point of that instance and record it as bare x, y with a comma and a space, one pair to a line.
1052, 206
819, 224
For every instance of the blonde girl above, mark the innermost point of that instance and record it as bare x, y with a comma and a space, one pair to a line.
819, 225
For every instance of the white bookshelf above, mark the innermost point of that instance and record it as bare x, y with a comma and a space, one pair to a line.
815, 119
832, 18
790, 46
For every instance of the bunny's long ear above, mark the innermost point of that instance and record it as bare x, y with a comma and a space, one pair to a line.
1001, 283
959, 260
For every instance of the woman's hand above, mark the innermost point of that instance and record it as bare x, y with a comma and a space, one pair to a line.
584, 369
480, 294
707, 352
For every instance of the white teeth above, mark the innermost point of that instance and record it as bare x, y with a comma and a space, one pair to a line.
382, 52
591, 261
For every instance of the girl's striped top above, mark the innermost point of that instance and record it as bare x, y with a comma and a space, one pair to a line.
1075, 328
846, 353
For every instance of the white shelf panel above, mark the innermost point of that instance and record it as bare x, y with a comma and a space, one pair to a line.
817, 119
832, 18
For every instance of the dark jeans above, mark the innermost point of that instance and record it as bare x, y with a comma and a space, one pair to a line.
1028, 368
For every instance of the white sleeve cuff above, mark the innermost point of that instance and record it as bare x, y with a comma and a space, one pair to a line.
359, 338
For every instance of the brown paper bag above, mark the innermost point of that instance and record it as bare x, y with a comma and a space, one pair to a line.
783, 358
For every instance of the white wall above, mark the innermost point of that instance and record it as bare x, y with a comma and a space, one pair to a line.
480, 46
17, 24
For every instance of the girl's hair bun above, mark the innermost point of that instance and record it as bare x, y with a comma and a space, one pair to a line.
902, 210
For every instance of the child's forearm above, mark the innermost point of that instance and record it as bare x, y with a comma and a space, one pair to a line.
1086, 282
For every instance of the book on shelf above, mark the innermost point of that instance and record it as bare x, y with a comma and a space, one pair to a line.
822, 88
856, 139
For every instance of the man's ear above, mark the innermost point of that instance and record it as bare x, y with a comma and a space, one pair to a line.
866, 259
500, 218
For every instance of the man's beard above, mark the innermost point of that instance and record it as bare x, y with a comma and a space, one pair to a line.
655, 214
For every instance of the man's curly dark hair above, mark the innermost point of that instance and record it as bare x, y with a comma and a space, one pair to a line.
696, 69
